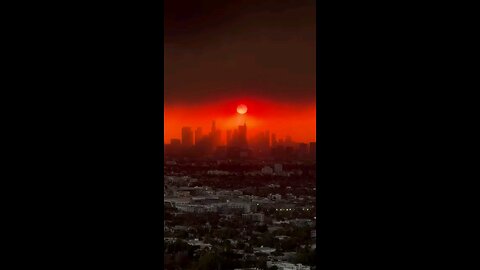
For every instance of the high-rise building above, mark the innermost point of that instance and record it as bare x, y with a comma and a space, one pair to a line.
242, 135
267, 139
235, 140
274, 140
229, 137
213, 128
313, 150
198, 135
175, 146
288, 141
289, 152
187, 136
175, 142
217, 138
302, 149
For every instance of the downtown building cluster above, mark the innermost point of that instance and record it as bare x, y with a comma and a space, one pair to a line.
237, 145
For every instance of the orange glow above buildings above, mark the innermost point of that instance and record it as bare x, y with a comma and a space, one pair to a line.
283, 119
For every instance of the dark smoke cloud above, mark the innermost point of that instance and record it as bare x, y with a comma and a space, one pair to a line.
235, 49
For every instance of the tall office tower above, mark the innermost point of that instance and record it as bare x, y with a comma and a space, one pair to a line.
187, 136
302, 149
242, 135
217, 138
274, 140
288, 141
229, 137
175, 146
313, 150
235, 138
175, 142
267, 139
213, 128
198, 135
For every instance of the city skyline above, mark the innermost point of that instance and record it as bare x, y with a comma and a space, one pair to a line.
237, 144
219, 54
190, 136
240, 134
295, 120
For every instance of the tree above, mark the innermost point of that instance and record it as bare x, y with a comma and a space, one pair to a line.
249, 249
262, 228
289, 244
207, 261
240, 245
277, 253
267, 240
261, 263
306, 257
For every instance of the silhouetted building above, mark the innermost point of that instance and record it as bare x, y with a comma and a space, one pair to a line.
260, 145
187, 137
313, 150
213, 128
175, 142
302, 150
289, 141
229, 137
278, 168
221, 152
238, 152
202, 146
267, 139
242, 136
217, 138
235, 140
174, 147
278, 152
289, 152
198, 135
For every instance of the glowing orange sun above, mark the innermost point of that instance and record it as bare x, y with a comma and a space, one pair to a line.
242, 109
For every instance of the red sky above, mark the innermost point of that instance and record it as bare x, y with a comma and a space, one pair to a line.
296, 120
219, 54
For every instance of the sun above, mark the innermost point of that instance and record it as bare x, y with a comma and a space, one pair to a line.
242, 109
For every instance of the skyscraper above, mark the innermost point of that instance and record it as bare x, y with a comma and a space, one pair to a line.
198, 135
235, 140
187, 136
229, 137
302, 149
267, 139
213, 128
175, 146
288, 141
217, 138
175, 142
242, 135
313, 150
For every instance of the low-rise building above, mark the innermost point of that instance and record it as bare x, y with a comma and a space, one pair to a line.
282, 265
267, 170
256, 217
266, 250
